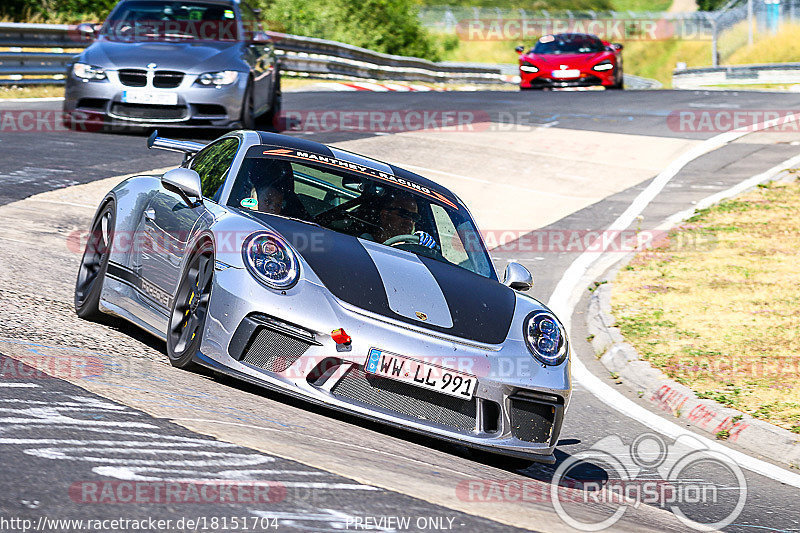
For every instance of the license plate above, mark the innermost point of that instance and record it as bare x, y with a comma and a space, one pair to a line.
571, 73
144, 97
422, 374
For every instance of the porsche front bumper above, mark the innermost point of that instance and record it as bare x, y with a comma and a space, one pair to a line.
283, 342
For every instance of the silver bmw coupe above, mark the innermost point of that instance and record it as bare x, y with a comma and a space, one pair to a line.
336, 278
187, 63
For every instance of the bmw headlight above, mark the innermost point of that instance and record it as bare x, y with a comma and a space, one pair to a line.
527, 67
602, 66
88, 72
224, 77
545, 338
271, 260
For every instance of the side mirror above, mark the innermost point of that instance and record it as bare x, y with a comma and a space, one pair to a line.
87, 31
519, 49
518, 277
616, 46
185, 182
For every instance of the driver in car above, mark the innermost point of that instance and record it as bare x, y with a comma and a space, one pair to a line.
400, 216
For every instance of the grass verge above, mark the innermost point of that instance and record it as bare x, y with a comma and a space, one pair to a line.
31, 91
716, 306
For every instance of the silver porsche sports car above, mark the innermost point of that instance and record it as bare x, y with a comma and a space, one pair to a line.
336, 278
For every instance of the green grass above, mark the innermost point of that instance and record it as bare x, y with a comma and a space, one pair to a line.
641, 5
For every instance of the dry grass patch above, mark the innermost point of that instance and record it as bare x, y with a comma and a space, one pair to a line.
717, 306
31, 91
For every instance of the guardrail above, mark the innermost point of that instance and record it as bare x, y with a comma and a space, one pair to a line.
306, 56
699, 78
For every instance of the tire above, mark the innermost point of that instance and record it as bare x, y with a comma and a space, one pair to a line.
619, 86
272, 118
94, 264
187, 317
248, 119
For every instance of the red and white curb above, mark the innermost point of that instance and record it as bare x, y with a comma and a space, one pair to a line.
377, 87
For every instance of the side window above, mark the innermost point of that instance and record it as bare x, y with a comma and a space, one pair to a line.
213, 163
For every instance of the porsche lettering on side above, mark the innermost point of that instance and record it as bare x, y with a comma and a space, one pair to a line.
570, 60
330, 276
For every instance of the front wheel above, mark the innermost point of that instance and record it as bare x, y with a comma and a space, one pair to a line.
619, 85
272, 118
94, 265
189, 309
248, 118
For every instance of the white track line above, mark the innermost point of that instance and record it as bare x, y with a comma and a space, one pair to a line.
19, 385
569, 288
42, 99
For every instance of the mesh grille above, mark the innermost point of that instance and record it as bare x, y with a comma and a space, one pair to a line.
167, 79
408, 400
148, 111
133, 77
531, 421
274, 351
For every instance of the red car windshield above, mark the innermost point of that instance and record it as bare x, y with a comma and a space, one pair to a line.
568, 44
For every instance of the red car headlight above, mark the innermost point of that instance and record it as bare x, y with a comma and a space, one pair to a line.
527, 67
603, 66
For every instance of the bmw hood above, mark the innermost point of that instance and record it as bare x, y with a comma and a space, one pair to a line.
188, 56
414, 289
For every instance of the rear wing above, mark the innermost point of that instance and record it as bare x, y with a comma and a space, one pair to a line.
188, 148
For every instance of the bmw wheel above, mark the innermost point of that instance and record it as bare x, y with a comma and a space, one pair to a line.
189, 309
94, 265
248, 119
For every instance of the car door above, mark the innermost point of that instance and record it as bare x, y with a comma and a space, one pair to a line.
169, 221
260, 55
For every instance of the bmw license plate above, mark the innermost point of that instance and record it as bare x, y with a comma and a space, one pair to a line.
570, 73
422, 374
149, 97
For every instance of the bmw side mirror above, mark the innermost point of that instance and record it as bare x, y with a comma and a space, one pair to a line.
519, 49
517, 277
185, 182
87, 31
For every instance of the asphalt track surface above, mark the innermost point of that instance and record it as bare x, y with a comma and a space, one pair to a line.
36, 483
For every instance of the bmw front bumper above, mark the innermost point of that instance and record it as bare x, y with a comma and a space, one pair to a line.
100, 102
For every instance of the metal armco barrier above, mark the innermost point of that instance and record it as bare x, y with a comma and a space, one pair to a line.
698, 78
298, 55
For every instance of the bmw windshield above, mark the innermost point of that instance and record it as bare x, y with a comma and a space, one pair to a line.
159, 20
402, 216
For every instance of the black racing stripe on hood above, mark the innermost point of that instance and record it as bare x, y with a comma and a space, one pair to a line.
481, 308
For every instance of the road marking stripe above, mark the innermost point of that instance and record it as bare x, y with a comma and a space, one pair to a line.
19, 385
568, 291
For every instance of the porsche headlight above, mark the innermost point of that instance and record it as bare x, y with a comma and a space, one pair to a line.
224, 77
88, 72
527, 67
545, 338
271, 260
604, 65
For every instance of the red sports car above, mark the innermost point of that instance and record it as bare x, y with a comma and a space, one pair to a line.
570, 60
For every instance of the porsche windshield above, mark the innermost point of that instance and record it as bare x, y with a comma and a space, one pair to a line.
364, 207
568, 44
156, 20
